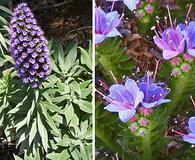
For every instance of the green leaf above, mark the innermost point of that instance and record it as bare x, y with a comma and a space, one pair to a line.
50, 106
70, 58
17, 158
84, 105
50, 121
30, 112
5, 10
86, 58
42, 132
33, 131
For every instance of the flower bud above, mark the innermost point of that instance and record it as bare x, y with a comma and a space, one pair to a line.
133, 127
143, 122
176, 72
185, 67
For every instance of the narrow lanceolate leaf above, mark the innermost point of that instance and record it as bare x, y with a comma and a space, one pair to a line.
33, 131
30, 112
5, 10
84, 105
42, 132
50, 121
86, 58
70, 58
17, 158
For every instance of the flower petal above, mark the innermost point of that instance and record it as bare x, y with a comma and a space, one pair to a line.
114, 108
114, 33
161, 101
191, 124
126, 115
190, 138
149, 105
99, 38
168, 54
131, 4
191, 52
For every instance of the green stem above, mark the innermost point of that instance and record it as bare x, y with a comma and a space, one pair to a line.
177, 91
147, 151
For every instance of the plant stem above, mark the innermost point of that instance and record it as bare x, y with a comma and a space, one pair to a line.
147, 151
177, 92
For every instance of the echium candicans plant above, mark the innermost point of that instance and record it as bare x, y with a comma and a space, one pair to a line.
28, 47
135, 100
176, 42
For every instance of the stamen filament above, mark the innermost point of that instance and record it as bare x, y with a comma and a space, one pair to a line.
182, 134
189, 10
104, 85
166, 23
156, 68
112, 6
169, 13
154, 29
192, 101
114, 78
158, 25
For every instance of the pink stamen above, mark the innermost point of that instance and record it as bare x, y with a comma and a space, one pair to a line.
182, 134
166, 23
159, 27
105, 97
122, 16
104, 85
112, 6
175, 23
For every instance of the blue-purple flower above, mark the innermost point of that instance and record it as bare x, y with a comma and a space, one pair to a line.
172, 42
28, 47
154, 93
191, 136
105, 25
131, 4
124, 99
189, 32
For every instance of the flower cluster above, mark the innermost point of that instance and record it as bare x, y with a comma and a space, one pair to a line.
28, 47
177, 43
144, 94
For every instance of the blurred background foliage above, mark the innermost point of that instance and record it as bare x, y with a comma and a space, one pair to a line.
132, 57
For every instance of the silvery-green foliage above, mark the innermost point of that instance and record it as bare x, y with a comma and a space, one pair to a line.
54, 121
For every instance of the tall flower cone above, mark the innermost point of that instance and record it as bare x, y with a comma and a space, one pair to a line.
28, 47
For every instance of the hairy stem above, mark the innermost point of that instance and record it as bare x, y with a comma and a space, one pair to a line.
177, 92
147, 151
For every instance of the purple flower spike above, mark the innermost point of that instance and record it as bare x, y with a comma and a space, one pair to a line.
172, 42
26, 41
190, 138
190, 38
124, 99
154, 93
105, 25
